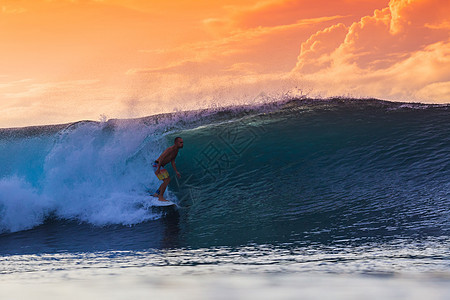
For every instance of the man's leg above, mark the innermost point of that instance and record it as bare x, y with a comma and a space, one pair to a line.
162, 189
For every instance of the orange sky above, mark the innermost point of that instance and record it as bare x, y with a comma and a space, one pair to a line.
67, 60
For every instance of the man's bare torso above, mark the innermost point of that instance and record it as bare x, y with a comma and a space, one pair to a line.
168, 155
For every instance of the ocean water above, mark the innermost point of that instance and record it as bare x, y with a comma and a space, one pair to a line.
299, 199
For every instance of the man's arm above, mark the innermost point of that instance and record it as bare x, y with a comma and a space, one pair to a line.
175, 168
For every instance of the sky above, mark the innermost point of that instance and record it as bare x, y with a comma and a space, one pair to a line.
70, 60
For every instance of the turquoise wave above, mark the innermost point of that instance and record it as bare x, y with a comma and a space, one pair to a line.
292, 171
311, 171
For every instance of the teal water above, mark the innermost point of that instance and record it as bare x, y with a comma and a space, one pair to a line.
319, 173
319, 199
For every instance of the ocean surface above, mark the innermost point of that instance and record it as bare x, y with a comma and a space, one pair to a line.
297, 199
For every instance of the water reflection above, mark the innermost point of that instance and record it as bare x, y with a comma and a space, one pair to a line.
70, 236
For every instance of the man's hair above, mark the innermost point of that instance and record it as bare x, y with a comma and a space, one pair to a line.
176, 139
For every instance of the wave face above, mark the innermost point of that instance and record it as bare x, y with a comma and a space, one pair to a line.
294, 171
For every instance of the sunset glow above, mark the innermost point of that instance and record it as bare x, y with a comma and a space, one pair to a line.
68, 60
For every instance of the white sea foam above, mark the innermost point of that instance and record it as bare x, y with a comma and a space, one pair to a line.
21, 205
87, 176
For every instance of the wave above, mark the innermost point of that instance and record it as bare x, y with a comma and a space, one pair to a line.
273, 172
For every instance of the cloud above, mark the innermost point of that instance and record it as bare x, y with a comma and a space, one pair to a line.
392, 54
444, 25
7, 9
241, 48
282, 12
28, 88
50, 102
436, 90
314, 54
380, 40
264, 36
412, 79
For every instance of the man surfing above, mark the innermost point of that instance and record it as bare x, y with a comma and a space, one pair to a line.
167, 156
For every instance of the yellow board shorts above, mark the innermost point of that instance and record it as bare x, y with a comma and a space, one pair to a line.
163, 173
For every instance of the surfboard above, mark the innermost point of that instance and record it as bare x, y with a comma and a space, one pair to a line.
155, 202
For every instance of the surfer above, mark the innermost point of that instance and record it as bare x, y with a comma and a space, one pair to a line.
167, 156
